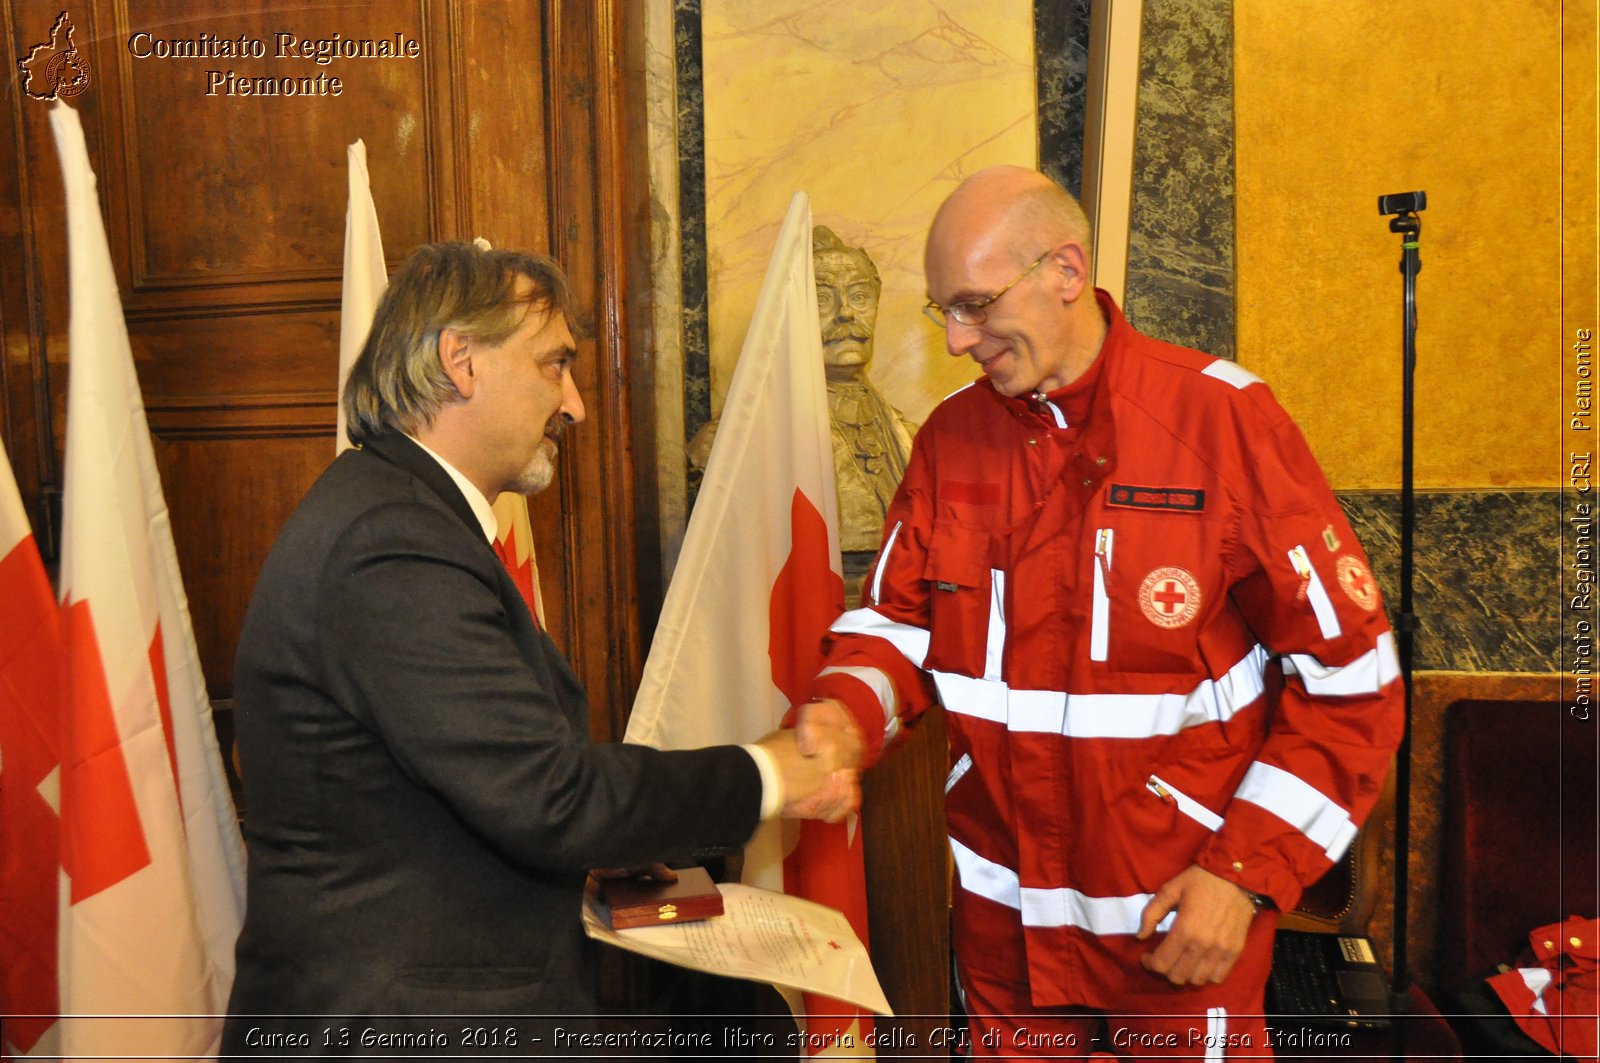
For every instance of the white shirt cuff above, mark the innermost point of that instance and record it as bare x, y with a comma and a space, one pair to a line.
771, 781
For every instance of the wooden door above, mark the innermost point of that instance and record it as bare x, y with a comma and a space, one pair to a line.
225, 213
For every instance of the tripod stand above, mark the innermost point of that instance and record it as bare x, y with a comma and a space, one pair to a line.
1404, 206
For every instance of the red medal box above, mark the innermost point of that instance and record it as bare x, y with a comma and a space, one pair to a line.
640, 902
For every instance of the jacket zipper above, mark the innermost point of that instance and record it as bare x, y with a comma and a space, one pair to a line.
957, 770
1100, 617
883, 562
1186, 804
1315, 593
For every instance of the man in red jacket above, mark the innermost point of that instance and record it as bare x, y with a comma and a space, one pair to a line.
1171, 690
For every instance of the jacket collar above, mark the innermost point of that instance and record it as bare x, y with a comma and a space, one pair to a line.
402, 452
1090, 456
1084, 400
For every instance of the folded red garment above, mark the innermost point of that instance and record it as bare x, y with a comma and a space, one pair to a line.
1558, 1002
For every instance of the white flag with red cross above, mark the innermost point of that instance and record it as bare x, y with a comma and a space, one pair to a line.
760, 567
30, 833
153, 891
365, 275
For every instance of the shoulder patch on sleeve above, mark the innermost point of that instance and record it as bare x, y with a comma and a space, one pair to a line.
1231, 373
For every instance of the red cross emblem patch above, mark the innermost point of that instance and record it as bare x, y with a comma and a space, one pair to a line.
1356, 581
1169, 597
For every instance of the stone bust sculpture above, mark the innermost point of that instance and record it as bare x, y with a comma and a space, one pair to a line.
871, 440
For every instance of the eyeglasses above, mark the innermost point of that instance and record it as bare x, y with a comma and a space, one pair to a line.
976, 311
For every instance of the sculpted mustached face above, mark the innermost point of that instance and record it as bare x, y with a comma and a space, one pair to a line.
847, 310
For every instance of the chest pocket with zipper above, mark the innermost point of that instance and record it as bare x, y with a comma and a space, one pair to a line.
963, 611
1154, 579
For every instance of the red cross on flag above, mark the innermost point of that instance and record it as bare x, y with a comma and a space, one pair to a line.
760, 567
150, 842
30, 836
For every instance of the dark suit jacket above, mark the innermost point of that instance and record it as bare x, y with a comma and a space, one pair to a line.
422, 798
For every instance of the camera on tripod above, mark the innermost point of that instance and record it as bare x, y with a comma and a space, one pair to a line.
1402, 203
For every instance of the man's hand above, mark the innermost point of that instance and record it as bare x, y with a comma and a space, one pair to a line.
826, 729
1214, 917
818, 762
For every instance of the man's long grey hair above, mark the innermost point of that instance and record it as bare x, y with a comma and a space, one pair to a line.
398, 382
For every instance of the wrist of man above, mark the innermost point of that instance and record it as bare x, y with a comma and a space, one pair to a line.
772, 795
1256, 873
1258, 901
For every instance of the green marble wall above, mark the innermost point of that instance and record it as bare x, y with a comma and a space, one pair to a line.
1180, 246
1486, 588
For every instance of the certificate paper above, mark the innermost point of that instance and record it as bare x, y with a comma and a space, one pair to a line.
791, 943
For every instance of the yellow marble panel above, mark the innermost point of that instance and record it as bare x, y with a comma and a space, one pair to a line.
875, 109
1580, 233
1340, 101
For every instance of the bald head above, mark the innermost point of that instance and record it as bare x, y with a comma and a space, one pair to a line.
1021, 210
1008, 270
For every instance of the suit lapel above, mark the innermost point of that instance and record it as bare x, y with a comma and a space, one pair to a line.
400, 450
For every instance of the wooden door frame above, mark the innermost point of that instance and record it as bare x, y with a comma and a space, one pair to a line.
596, 58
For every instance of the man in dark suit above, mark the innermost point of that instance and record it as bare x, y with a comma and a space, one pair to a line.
423, 798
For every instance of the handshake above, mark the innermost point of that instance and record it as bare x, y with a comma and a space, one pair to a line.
819, 761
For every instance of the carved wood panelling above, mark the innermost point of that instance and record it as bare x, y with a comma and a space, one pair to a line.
261, 193
225, 215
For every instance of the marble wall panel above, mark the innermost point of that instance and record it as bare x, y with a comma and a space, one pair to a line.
1487, 575
876, 109
1061, 62
1180, 245
689, 111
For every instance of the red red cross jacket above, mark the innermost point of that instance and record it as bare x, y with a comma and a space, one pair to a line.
1557, 1002
1157, 642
